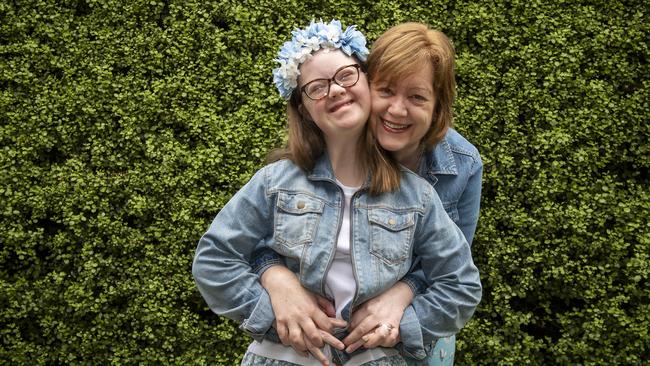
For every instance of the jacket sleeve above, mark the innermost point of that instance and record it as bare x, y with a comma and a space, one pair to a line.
469, 202
453, 287
221, 266
264, 258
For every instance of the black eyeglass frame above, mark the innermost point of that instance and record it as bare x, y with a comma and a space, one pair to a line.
333, 78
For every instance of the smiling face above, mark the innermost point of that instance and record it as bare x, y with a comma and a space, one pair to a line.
411, 68
344, 111
402, 113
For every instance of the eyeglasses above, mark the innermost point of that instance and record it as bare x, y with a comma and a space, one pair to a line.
345, 76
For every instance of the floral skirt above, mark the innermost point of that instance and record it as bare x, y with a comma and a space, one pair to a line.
251, 359
442, 355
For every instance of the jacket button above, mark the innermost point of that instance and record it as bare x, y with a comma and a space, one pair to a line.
300, 205
391, 222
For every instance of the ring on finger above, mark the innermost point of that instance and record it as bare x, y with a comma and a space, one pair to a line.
388, 327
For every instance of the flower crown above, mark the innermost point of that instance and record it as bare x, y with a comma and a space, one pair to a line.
306, 41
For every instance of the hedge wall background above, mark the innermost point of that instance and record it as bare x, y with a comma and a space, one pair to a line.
126, 125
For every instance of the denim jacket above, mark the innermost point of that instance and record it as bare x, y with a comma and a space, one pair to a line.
298, 215
454, 169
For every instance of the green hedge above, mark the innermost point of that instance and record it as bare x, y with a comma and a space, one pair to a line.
126, 125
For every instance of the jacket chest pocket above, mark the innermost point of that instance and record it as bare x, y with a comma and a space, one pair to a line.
391, 234
296, 218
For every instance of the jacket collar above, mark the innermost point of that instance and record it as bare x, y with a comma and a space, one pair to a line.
323, 171
440, 160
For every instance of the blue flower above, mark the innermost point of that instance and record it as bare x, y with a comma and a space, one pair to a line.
353, 42
306, 41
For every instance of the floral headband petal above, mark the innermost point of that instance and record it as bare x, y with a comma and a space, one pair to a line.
308, 40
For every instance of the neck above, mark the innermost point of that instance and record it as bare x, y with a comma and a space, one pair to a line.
346, 162
410, 158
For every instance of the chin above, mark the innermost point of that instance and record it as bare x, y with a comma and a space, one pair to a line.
389, 145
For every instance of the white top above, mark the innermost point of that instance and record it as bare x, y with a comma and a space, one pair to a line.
340, 281
341, 285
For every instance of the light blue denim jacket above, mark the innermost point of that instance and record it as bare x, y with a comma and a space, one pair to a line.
454, 169
298, 215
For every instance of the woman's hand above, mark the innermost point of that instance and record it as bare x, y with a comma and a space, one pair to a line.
376, 322
303, 320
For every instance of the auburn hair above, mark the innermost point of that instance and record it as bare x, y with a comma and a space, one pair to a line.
404, 50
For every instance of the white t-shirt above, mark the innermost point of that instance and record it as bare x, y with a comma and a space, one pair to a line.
340, 281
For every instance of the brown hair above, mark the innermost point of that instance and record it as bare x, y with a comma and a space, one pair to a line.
305, 144
406, 48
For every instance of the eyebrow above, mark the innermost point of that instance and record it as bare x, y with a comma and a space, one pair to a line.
421, 90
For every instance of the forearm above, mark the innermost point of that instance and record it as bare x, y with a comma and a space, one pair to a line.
221, 266
302, 318
231, 289
277, 278
442, 310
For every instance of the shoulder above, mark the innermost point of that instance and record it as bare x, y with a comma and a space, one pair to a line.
285, 175
453, 155
459, 145
280, 165
414, 185
281, 170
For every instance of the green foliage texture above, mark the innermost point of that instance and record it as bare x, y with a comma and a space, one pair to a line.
126, 125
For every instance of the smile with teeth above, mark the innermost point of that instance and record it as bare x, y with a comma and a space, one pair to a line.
394, 126
337, 107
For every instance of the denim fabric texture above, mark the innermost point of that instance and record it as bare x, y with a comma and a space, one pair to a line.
298, 216
454, 168
442, 354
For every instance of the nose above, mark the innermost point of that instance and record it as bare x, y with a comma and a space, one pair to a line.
335, 90
397, 107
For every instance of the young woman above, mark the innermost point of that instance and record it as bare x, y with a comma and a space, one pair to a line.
346, 221
412, 89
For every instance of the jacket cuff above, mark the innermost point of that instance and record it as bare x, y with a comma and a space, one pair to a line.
417, 285
412, 344
264, 259
261, 318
